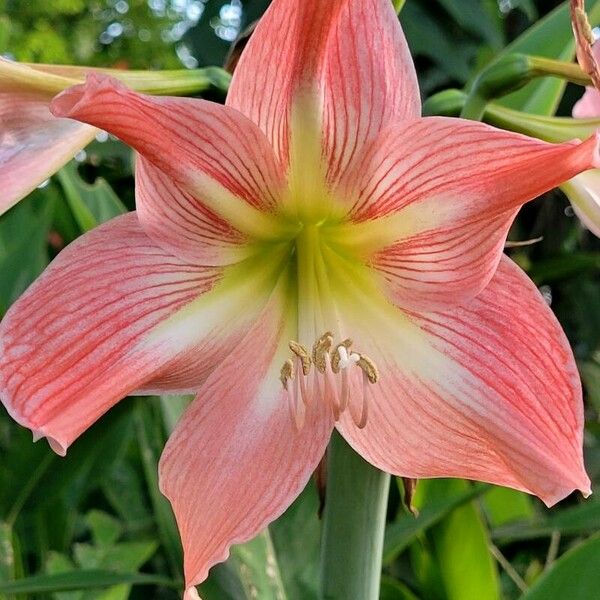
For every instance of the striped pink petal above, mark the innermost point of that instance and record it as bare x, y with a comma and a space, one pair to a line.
438, 196
212, 152
33, 144
236, 460
486, 391
352, 54
75, 342
180, 223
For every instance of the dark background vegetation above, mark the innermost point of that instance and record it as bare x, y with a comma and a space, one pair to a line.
100, 508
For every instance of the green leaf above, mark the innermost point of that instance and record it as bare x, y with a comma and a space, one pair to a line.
296, 537
81, 580
91, 204
88, 460
575, 575
406, 529
23, 243
258, 568
505, 505
576, 520
460, 545
555, 269
7, 558
479, 17
151, 439
106, 530
392, 589
590, 374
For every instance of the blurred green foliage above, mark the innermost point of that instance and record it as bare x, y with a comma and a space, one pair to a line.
96, 519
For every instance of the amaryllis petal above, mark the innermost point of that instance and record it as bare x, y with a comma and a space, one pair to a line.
434, 199
488, 391
180, 223
33, 144
71, 346
237, 460
351, 54
216, 154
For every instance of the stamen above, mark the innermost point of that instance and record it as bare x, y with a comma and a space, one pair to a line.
360, 420
302, 379
320, 349
369, 368
286, 373
328, 363
299, 406
345, 395
331, 391
302, 353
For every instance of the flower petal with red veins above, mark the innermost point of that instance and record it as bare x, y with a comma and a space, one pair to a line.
180, 223
351, 53
236, 460
487, 391
438, 195
33, 144
102, 321
213, 152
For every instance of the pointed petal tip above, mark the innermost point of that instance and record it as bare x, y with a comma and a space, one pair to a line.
55, 444
191, 593
579, 482
67, 103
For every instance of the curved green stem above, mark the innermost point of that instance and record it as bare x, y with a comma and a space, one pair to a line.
353, 525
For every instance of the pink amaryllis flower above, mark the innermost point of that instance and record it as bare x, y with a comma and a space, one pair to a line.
311, 255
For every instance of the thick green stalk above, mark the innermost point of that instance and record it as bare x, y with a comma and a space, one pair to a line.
353, 525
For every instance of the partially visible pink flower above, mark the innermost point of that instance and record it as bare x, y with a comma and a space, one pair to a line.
33, 143
583, 191
589, 104
312, 255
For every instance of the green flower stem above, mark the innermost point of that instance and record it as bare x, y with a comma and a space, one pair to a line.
543, 67
511, 73
181, 82
449, 103
353, 525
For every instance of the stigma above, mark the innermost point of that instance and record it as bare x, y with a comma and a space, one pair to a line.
327, 373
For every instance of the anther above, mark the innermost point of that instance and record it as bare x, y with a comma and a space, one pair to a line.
302, 353
286, 373
369, 368
320, 348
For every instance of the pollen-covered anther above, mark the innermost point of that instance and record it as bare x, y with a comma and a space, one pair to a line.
320, 351
369, 368
302, 353
286, 373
